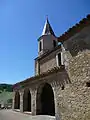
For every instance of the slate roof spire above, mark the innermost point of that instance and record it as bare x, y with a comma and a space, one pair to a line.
47, 30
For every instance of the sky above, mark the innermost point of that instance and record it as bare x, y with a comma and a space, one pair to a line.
21, 24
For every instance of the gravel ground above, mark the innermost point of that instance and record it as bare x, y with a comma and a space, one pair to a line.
12, 115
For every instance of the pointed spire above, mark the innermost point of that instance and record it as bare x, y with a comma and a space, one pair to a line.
47, 30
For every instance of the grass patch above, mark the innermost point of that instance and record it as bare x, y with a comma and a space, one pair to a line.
5, 96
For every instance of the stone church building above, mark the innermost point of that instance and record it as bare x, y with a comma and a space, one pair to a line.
61, 84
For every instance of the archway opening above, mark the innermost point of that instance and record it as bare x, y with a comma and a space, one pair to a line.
45, 101
27, 101
17, 101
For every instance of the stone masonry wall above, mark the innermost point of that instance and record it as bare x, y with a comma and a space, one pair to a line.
74, 100
49, 61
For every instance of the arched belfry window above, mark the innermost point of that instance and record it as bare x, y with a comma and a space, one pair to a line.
40, 46
54, 43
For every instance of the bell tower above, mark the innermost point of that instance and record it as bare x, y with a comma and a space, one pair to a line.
47, 41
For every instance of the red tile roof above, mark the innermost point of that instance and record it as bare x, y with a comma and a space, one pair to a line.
75, 29
53, 70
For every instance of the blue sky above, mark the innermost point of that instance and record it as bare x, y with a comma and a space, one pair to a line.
21, 23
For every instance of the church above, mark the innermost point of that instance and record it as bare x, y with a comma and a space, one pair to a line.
61, 84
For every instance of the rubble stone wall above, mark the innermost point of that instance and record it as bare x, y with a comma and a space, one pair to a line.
74, 100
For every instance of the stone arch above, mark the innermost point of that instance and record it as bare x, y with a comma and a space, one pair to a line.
17, 100
45, 100
27, 100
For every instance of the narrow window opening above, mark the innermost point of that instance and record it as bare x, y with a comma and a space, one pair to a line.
40, 46
59, 59
54, 43
62, 87
88, 84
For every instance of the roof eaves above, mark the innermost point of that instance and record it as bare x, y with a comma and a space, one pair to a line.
51, 71
75, 29
47, 53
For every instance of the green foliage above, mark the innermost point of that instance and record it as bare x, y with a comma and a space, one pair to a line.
6, 93
5, 87
9, 100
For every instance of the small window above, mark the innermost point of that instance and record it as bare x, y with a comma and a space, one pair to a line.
54, 43
88, 84
40, 46
58, 59
62, 87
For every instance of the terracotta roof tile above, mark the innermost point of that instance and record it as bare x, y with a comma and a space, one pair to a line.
53, 70
75, 29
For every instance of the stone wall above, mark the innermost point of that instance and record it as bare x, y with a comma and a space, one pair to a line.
74, 100
47, 43
48, 62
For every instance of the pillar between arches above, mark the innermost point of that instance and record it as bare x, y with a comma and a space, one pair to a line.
21, 101
55, 86
33, 101
13, 101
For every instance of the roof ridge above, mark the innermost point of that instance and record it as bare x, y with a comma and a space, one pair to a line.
75, 29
